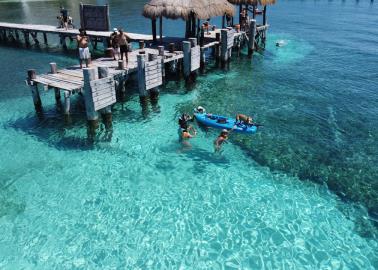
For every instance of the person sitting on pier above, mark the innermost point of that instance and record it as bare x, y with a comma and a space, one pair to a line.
115, 44
82, 42
123, 44
242, 118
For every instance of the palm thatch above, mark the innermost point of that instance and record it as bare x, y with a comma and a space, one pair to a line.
174, 9
253, 2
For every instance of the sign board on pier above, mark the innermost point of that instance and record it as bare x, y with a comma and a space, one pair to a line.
195, 56
153, 71
95, 18
103, 92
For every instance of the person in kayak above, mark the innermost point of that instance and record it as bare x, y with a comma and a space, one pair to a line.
245, 119
222, 138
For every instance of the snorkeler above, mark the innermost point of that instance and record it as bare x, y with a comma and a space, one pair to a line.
222, 138
184, 119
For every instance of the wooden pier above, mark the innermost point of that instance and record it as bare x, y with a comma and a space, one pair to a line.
105, 79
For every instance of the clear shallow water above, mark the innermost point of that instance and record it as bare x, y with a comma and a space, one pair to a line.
142, 200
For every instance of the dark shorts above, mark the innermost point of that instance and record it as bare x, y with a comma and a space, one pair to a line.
65, 19
123, 48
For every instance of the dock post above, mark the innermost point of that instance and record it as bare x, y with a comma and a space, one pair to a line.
67, 106
45, 38
17, 35
251, 36
224, 50
106, 112
202, 60
34, 90
142, 76
26, 38
217, 47
161, 54
171, 47
53, 69
193, 42
186, 50
92, 116
121, 64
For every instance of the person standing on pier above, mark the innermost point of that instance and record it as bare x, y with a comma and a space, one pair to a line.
123, 44
114, 43
82, 42
64, 17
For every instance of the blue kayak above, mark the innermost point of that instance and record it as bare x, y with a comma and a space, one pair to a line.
222, 122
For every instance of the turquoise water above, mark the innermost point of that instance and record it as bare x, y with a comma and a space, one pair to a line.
297, 195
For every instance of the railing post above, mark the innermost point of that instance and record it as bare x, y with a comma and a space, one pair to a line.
141, 58
251, 37
224, 50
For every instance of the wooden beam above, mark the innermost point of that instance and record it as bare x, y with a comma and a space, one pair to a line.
161, 28
153, 21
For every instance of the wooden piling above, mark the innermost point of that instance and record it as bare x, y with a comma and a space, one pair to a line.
67, 104
34, 90
121, 64
45, 38
193, 42
171, 47
17, 35
161, 54
26, 38
186, 45
202, 60
264, 16
251, 36
53, 70
106, 112
217, 48
224, 49
90, 74
142, 76
153, 22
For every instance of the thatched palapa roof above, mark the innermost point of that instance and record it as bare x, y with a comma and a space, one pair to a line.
253, 2
174, 9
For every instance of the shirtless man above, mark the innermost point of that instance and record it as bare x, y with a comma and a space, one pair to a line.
82, 43
123, 44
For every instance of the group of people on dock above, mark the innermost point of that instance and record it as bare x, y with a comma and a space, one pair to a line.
119, 41
187, 131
